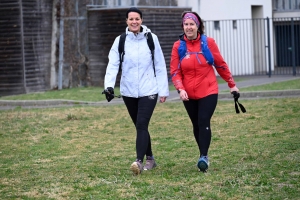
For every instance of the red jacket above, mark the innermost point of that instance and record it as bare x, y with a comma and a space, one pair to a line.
194, 75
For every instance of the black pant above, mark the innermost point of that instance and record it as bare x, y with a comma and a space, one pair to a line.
200, 112
140, 111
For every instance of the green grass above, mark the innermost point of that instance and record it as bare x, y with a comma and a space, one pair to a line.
85, 153
285, 85
93, 94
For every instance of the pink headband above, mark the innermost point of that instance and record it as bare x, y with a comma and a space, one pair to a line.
191, 16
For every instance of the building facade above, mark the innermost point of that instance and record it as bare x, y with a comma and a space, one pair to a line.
49, 44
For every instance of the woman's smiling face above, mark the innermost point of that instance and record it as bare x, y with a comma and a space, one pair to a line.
134, 22
190, 29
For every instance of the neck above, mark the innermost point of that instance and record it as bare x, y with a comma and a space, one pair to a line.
192, 38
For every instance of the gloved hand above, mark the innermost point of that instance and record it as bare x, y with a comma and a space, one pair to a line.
236, 97
109, 93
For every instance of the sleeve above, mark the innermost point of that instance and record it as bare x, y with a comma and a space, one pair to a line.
220, 64
160, 69
112, 68
175, 70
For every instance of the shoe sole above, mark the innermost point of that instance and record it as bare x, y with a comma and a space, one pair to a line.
135, 168
202, 165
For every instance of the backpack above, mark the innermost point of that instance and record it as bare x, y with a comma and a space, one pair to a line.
204, 47
122, 52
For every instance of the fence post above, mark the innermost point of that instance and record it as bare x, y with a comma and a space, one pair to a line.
61, 45
293, 47
269, 44
22, 45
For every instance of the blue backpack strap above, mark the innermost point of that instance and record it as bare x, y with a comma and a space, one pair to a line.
204, 47
205, 50
182, 47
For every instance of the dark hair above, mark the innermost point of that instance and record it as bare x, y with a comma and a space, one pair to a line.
134, 9
201, 26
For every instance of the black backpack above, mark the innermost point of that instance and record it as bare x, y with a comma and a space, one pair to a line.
122, 52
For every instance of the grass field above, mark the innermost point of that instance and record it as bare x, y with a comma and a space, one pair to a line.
86, 152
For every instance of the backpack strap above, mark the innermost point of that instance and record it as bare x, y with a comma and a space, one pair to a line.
151, 47
182, 50
121, 49
205, 50
182, 47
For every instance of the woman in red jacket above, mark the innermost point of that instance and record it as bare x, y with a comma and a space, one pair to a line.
196, 82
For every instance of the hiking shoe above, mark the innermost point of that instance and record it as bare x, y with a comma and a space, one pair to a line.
150, 163
136, 167
203, 163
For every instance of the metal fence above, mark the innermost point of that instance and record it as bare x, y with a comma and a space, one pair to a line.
258, 46
25, 46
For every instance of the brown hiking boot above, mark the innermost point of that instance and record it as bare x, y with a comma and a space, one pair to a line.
150, 163
136, 167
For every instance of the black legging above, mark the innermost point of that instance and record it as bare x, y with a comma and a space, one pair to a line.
200, 112
140, 111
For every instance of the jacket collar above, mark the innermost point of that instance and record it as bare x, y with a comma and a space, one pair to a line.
183, 37
143, 31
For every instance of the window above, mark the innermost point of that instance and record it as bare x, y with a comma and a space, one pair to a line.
217, 25
234, 24
283, 5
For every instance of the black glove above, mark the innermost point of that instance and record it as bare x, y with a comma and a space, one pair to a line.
236, 97
109, 93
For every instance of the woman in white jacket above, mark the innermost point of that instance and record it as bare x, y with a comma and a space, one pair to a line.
142, 83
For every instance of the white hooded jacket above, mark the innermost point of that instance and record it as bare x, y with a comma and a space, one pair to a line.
138, 79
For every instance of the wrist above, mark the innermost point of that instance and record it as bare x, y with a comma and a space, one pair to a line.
179, 90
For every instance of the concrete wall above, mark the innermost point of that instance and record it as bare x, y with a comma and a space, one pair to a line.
227, 9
